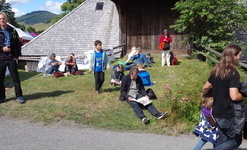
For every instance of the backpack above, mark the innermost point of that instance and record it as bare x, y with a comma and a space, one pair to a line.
173, 59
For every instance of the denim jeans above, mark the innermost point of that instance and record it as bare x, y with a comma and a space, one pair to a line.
137, 107
12, 66
129, 66
200, 144
52, 69
227, 139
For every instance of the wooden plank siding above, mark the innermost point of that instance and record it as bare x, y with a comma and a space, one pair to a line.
141, 23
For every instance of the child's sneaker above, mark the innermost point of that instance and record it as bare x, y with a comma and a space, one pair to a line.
2, 100
20, 99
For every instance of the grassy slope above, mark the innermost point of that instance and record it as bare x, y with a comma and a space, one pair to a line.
73, 98
38, 26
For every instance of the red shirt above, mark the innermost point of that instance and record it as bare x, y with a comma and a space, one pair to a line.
165, 38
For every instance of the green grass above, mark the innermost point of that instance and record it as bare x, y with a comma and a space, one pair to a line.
73, 98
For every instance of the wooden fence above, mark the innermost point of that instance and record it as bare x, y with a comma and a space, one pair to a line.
219, 54
32, 61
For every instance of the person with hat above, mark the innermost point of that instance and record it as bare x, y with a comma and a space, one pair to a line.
150, 58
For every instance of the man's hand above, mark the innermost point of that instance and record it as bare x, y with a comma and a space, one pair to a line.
131, 99
6, 49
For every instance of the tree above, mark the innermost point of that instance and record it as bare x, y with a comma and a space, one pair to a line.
6, 8
31, 29
210, 23
67, 7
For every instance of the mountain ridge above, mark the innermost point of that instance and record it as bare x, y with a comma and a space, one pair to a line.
36, 17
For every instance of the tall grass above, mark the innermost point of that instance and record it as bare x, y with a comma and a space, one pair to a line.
73, 98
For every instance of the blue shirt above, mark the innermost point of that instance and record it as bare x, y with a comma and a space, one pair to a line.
6, 38
98, 61
141, 58
145, 76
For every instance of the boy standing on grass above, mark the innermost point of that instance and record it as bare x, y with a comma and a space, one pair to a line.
98, 64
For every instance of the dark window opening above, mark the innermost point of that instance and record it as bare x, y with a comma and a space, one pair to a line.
99, 6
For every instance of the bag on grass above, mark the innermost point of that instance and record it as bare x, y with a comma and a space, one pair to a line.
78, 72
58, 74
151, 94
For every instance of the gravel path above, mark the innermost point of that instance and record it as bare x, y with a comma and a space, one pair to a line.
23, 135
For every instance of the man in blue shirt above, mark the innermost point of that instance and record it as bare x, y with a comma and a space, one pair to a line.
10, 50
140, 58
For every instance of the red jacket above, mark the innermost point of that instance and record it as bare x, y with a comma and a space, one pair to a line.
165, 38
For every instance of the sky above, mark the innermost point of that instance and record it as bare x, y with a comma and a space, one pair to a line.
22, 7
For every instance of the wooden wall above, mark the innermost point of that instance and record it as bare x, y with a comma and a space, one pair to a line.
142, 21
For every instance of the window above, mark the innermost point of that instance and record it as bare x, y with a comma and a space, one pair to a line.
99, 6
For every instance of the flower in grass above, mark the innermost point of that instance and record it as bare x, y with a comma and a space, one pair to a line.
167, 87
182, 84
185, 99
174, 98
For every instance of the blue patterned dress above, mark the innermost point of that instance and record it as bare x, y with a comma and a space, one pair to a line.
204, 130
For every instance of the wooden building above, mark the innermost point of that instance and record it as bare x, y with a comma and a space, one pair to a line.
114, 22
142, 21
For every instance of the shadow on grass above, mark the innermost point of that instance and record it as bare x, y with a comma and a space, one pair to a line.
36, 96
23, 76
112, 89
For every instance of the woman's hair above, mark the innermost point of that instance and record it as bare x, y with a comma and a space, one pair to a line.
140, 65
227, 61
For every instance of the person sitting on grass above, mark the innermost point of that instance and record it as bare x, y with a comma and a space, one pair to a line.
70, 64
139, 57
131, 89
53, 65
150, 58
145, 76
117, 75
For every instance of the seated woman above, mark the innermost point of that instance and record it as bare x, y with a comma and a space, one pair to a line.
70, 64
145, 76
53, 65
117, 75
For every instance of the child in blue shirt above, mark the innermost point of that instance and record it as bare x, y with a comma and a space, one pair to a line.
145, 76
98, 64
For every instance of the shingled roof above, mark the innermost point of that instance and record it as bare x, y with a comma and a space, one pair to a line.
77, 31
